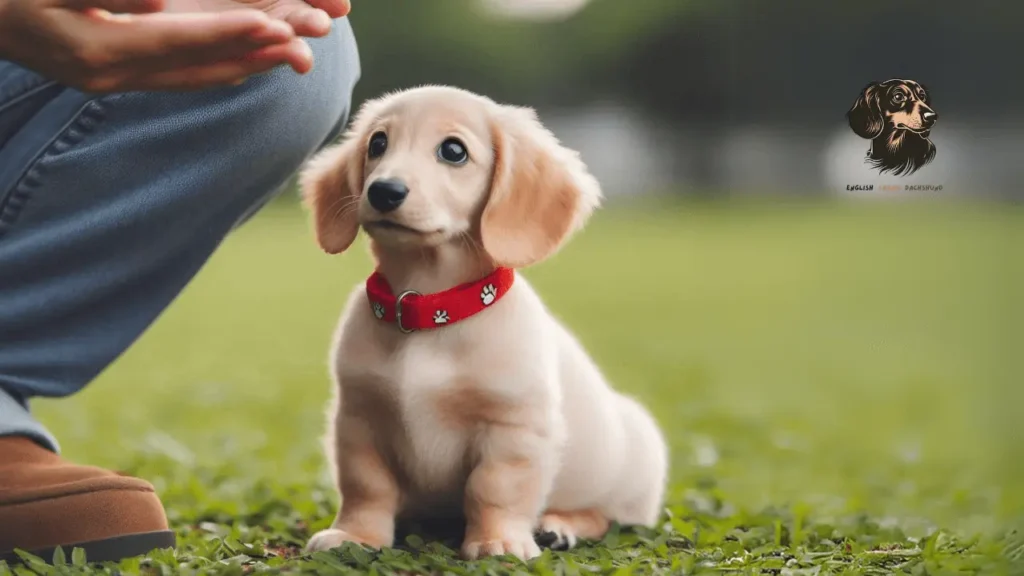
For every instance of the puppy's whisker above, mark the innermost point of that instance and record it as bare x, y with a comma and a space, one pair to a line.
347, 208
347, 211
341, 200
350, 204
468, 240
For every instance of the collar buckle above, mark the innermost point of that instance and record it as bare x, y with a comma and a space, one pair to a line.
398, 310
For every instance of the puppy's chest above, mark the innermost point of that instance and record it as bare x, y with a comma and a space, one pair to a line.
429, 428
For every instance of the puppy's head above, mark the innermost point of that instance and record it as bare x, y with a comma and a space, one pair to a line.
891, 106
435, 165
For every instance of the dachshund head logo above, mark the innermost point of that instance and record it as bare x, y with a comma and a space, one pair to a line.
896, 115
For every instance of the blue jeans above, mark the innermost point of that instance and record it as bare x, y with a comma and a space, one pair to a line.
109, 205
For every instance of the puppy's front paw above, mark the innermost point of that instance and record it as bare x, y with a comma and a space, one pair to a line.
555, 533
521, 546
330, 538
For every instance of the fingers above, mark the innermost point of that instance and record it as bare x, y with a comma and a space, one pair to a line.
333, 8
307, 21
295, 53
275, 33
108, 7
186, 51
218, 73
156, 42
168, 51
164, 34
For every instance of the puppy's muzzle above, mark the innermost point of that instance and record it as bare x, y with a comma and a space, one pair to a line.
386, 195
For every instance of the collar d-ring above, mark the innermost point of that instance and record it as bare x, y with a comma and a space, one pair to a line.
398, 310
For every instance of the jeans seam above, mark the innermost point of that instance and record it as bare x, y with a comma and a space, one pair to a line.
7, 103
81, 124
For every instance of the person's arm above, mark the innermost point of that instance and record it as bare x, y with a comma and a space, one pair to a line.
121, 45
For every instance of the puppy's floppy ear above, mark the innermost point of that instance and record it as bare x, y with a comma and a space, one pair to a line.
332, 183
540, 193
865, 116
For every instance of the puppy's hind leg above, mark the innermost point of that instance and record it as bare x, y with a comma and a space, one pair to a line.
639, 497
559, 530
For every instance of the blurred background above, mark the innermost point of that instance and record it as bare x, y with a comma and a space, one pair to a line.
725, 96
802, 345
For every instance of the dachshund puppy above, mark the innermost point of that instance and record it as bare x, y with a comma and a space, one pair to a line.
897, 117
456, 390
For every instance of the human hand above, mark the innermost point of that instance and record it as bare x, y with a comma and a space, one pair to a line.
81, 44
306, 17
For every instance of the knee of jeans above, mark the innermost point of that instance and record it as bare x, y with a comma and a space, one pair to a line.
279, 119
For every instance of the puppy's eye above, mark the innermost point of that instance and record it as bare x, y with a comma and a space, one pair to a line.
378, 145
453, 151
898, 97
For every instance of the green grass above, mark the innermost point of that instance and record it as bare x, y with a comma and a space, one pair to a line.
840, 385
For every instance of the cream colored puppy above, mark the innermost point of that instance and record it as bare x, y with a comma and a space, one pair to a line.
457, 391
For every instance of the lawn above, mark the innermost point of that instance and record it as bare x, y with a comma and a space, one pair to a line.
840, 385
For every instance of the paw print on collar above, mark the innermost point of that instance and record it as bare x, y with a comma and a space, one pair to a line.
488, 294
441, 317
378, 310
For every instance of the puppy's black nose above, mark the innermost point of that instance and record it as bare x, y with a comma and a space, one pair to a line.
929, 118
387, 195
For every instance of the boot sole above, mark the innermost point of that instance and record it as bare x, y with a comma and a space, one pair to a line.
107, 550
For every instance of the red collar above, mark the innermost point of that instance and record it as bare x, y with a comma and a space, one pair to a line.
424, 311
